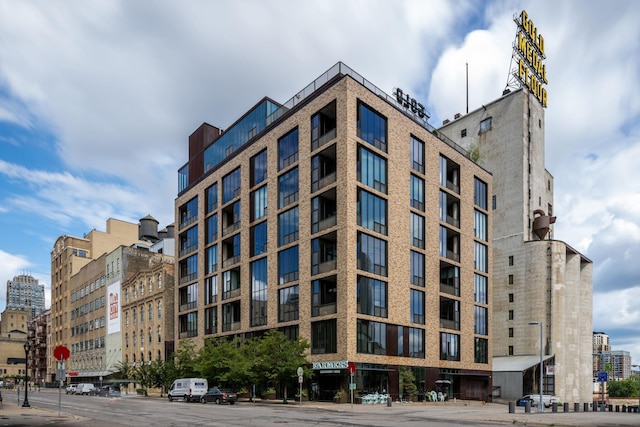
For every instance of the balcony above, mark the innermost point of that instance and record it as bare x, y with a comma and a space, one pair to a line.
323, 169
233, 326
323, 310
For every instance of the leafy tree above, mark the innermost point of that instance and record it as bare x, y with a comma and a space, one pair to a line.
408, 381
216, 359
624, 388
143, 376
185, 360
161, 373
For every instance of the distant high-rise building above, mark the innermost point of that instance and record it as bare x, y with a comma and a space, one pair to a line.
25, 293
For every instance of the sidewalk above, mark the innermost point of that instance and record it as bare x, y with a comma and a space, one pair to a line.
12, 413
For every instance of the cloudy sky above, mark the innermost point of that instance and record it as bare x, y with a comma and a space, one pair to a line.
97, 100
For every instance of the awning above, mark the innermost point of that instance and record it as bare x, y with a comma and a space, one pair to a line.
517, 363
89, 374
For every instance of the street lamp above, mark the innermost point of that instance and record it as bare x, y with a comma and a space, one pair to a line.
27, 347
540, 403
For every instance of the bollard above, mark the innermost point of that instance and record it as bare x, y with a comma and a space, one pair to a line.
610, 408
566, 407
512, 407
595, 406
554, 407
389, 402
576, 407
617, 408
527, 406
624, 408
586, 407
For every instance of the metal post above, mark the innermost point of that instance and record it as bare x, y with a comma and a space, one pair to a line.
27, 347
540, 403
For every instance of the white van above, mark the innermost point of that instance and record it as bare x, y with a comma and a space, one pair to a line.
188, 389
85, 388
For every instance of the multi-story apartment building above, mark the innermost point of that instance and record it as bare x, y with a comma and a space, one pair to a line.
600, 344
39, 350
536, 279
341, 218
617, 363
24, 292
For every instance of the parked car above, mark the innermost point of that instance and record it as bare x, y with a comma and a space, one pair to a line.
85, 389
71, 389
188, 389
219, 396
547, 400
109, 391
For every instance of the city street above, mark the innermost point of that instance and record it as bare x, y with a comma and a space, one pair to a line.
135, 410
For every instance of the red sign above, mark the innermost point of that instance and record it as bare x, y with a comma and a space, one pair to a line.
72, 373
61, 353
351, 368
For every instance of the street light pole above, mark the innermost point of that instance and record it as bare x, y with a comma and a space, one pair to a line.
540, 403
27, 347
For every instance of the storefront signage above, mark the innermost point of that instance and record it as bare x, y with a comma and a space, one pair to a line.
529, 53
340, 364
409, 103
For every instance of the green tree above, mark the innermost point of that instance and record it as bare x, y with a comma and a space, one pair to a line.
185, 360
161, 374
408, 381
216, 359
143, 376
623, 388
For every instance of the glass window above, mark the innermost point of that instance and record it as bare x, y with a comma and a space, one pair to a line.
288, 226
417, 230
259, 203
211, 290
324, 295
417, 268
188, 212
323, 126
372, 254
259, 292
371, 296
288, 265
481, 351
417, 154
417, 192
416, 343
210, 322
485, 125
372, 170
449, 313
449, 346
231, 186
211, 254
230, 283
188, 298
372, 127
371, 211
259, 168
480, 288
211, 197
231, 316
324, 337
480, 316
188, 324
288, 188
480, 193
481, 261
288, 300
258, 239
480, 225
371, 337
417, 306
211, 229
288, 149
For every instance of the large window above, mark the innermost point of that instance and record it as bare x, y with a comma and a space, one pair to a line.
189, 212
288, 226
288, 188
288, 149
288, 262
230, 283
288, 301
372, 254
481, 322
416, 343
371, 296
417, 192
417, 154
231, 186
323, 126
259, 203
324, 337
480, 224
449, 346
259, 292
481, 258
211, 198
449, 313
189, 268
371, 211
211, 259
481, 350
417, 306
231, 316
449, 279
372, 127
211, 229
324, 295
372, 170
417, 268
480, 288
259, 168
187, 324
210, 321
210, 290
188, 298
258, 236
371, 337
480, 193
417, 230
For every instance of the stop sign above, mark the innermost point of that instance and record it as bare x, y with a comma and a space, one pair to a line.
351, 368
61, 353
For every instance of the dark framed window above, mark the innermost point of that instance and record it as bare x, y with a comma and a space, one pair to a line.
259, 292
211, 229
259, 168
371, 212
288, 265
371, 296
189, 240
485, 125
372, 254
188, 212
211, 259
323, 126
189, 268
288, 303
416, 189
231, 186
417, 230
288, 223
258, 237
372, 126
210, 290
416, 343
372, 170
230, 283
417, 154
480, 193
288, 149
481, 350
211, 197
480, 225
187, 326
371, 337
417, 268
231, 316
259, 200
324, 337
481, 257
324, 295
210, 320
417, 306
481, 320
288, 188
449, 313
324, 253
480, 288
449, 346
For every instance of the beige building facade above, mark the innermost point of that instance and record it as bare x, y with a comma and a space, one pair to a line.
536, 278
14, 325
339, 217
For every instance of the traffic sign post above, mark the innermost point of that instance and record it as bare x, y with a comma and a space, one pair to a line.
61, 353
300, 372
351, 368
